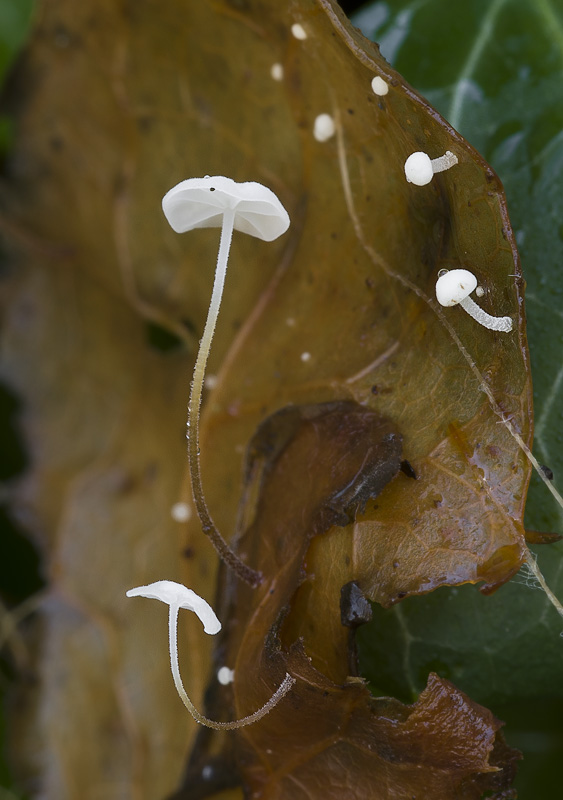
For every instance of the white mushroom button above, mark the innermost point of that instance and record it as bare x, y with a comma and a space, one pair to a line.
218, 202
225, 676
298, 31
180, 512
420, 168
323, 128
379, 86
454, 286
276, 72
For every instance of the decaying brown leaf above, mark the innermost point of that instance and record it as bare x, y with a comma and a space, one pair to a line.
118, 101
329, 737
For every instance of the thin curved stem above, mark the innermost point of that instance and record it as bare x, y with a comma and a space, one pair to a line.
283, 689
250, 576
503, 324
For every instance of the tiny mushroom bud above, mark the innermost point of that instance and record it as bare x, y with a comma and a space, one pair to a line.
225, 675
420, 169
276, 71
298, 31
178, 596
180, 512
455, 286
324, 128
379, 86
218, 202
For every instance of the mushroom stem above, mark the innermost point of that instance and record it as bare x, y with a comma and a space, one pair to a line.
444, 162
282, 690
503, 324
246, 573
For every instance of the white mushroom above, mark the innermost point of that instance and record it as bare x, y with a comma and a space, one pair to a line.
298, 31
217, 202
225, 675
379, 86
178, 596
180, 512
276, 71
454, 286
420, 169
324, 128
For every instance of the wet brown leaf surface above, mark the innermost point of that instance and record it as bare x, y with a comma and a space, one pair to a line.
116, 102
328, 736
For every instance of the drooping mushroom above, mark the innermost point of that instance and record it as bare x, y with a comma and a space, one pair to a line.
218, 202
178, 596
420, 168
454, 286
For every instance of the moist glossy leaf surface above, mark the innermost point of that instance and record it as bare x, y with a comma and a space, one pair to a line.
341, 739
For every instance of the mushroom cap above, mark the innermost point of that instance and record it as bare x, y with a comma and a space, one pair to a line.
454, 286
379, 86
225, 675
418, 169
179, 596
324, 128
202, 202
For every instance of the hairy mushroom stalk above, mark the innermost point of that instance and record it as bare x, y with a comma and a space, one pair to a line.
251, 208
178, 596
454, 286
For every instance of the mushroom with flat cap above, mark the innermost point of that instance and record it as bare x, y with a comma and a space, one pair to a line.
454, 286
218, 202
178, 596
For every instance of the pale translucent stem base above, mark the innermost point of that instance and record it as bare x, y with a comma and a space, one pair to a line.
444, 162
283, 689
244, 572
503, 324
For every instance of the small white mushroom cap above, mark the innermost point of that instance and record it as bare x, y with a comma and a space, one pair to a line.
418, 169
379, 86
298, 31
454, 286
202, 202
180, 512
225, 675
324, 128
177, 596
276, 71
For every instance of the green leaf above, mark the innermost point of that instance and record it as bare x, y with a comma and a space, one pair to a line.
477, 642
495, 70
15, 16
